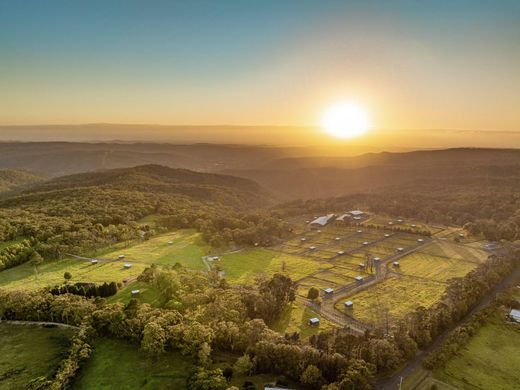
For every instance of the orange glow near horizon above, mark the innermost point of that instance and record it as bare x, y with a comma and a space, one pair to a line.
346, 120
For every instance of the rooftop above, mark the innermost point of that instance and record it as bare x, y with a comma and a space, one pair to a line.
323, 220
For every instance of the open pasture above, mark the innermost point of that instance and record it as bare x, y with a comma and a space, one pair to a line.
29, 351
6, 244
117, 364
295, 318
182, 246
51, 273
456, 251
489, 361
440, 269
243, 266
393, 222
395, 296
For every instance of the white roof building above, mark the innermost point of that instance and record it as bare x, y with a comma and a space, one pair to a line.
128, 265
343, 217
314, 321
359, 278
349, 304
323, 220
515, 315
341, 253
329, 290
135, 292
356, 213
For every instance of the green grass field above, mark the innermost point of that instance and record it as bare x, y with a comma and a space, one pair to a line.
148, 294
117, 364
491, 360
296, 319
395, 295
186, 249
28, 352
456, 251
6, 244
435, 268
51, 273
245, 265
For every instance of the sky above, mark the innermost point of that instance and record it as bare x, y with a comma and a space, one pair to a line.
443, 64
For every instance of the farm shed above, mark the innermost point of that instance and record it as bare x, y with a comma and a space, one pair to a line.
356, 213
396, 264
349, 304
515, 315
136, 292
343, 218
314, 321
94, 261
127, 265
329, 291
121, 256
359, 278
341, 253
322, 221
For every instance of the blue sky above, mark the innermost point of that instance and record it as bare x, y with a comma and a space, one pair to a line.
414, 64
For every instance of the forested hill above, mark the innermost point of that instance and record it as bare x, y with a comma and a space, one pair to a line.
12, 178
155, 179
90, 210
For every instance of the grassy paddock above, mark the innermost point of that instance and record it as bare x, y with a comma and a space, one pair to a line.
296, 319
117, 364
51, 274
186, 249
456, 251
489, 361
6, 244
434, 267
28, 352
395, 295
245, 265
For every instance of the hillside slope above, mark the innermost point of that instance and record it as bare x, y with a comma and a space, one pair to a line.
12, 178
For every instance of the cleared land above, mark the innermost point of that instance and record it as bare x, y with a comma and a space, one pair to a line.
435, 268
245, 265
457, 251
186, 248
296, 319
489, 361
396, 296
28, 352
116, 364
6, 244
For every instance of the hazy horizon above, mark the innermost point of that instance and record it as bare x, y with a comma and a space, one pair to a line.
427, 65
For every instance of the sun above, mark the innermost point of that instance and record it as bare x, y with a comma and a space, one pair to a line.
345, 120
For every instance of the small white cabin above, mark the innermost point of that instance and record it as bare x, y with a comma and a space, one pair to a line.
359, 278
349, 304
314, 321
127, 265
